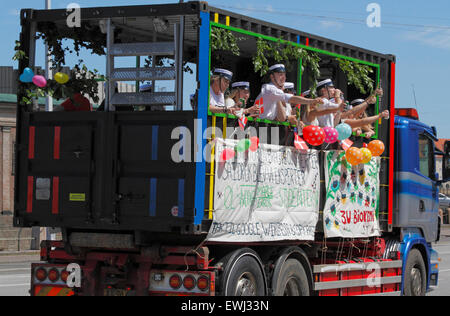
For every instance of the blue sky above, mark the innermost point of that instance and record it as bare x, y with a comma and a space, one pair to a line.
417, 32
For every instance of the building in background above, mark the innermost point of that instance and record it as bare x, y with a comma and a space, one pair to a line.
445, 187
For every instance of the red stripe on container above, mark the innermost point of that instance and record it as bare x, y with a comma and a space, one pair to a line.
391, 147
31, 133
30, 194
57, 142
55, 197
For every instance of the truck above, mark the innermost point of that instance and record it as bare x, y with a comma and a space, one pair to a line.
147, 207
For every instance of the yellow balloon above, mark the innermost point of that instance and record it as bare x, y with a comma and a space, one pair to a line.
367, 155
61, 78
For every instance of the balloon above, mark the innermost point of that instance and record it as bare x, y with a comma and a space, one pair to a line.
27, 75
39, 81
314, 135
354, 156
376, 147
61, 78
344, 130
243, 145
331, 134
367, 155
254, 143
227, 154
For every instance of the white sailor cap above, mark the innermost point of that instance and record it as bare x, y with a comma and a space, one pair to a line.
241, 85
356, 102
306, 93
277, 68
223, 73
325, 83
145, 87
289, 85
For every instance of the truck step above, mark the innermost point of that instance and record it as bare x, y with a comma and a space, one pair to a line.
159, 98
143, 49
141, 74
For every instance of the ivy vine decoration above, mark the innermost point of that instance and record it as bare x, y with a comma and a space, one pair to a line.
223, 40
286, 53
162, 61
86, 36
82, 80
358, 75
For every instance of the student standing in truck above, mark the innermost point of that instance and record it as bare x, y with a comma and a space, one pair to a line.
272, 96
331, 100
220, 81
238, 98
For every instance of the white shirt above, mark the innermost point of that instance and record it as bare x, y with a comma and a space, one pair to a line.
327, 119
271, 95
216, 99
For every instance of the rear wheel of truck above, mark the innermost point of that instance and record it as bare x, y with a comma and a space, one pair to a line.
415, 275
243, 275
292, 280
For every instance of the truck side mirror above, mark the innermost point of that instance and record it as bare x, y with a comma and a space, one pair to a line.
446, 162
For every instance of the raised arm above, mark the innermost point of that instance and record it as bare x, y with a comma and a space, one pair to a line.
354, 123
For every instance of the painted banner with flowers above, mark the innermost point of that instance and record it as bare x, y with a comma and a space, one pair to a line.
265, 194
352, 195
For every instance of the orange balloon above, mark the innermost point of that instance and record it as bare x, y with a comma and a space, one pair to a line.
376, 147
354, 156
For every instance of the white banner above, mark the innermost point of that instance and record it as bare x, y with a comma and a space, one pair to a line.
352, 195
268, 195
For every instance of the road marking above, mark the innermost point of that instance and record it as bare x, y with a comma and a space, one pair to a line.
17, 269
15, 276
13, 285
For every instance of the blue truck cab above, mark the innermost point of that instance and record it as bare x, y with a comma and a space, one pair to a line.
416, 204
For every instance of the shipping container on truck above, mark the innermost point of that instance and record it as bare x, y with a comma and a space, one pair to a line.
136, 222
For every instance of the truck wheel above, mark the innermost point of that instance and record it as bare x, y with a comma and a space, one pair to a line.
415, 275
243, 275
292, 280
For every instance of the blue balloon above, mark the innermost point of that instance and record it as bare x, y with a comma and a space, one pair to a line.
27, 75
344, 131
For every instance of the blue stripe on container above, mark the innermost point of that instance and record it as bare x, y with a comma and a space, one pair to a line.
203, 93
155, 130
180, 197
153, 190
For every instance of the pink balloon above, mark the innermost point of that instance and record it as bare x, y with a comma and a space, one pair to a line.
331, 134
227, 154
39, 81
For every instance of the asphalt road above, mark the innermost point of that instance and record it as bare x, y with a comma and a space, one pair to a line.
15, 279
15, 276
443, 248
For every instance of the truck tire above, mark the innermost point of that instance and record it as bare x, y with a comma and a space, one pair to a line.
243, 275
292, 280
415, 275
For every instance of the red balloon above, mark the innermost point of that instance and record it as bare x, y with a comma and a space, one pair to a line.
254, 143
314, 135
227, 154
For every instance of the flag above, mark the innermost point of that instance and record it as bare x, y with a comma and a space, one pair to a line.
260, 102
242, 122
299, 143
346, 144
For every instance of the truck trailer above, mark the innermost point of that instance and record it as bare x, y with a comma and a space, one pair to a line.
137, 221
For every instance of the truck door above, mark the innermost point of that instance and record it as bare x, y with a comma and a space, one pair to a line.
427, 192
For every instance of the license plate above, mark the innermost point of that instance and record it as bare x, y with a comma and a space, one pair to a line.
115, 292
